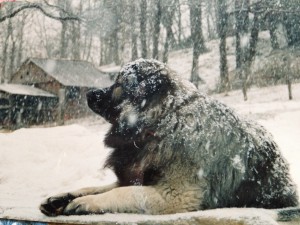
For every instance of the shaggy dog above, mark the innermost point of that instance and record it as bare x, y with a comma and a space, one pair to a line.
177, 150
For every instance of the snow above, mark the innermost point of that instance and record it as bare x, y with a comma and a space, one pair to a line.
238, 164
110, 68
39, 162
20, 89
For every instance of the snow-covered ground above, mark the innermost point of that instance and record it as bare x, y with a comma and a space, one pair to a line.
38, 162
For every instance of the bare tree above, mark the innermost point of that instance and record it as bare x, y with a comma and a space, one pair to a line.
222, 30
241, 27
76, 35
143, 27
179, 25
211, 20
156, 32
51, 11
168, 16
64, 39
273, 19
197, 38
133, 14
250, 53
291, 20
20, 40
5, 59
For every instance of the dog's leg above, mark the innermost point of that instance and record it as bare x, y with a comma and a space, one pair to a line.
136, 199
55, 205
131, 199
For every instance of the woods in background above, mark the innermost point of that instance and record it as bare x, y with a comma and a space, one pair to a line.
117, 31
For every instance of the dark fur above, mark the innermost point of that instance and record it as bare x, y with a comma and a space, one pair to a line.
186, 150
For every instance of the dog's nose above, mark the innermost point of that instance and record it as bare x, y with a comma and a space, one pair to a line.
98, 99
90, 94
93, 97
95, 94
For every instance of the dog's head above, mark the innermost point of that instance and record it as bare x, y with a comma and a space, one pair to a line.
140, 83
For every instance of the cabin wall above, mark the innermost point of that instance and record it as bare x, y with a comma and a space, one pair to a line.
24, 110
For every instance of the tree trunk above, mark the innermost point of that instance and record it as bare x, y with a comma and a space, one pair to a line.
76, 40
11, 61
238, 50
155, 37
288, 61
238, 30
20, 40
289, 84
222, 28
225, 84
65, 5
134, 51
272, 20
273, 37
246, 70
197, 38
143, 27
4, 72
63, 40
88, 47
115, 47
4, 60
168, 41
210, 19
179, 21
102, 52
249, 58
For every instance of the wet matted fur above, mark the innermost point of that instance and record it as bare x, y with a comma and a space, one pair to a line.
177, 150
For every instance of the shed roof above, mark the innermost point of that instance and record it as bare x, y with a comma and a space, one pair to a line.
73, 72
20, 89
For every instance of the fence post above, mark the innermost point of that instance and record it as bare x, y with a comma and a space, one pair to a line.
61, 106
288, 75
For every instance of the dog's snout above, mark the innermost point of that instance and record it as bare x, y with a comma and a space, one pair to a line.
90, 94
100, 102
94, 94
94, 99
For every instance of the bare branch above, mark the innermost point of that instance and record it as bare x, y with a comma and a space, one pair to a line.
56, 7
14, 12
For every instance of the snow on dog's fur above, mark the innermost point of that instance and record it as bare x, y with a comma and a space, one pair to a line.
177, 150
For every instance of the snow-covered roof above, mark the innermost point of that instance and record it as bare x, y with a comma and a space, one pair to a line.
110, 68
73, 72
20, 89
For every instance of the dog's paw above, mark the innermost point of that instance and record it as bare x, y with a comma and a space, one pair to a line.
55, 205
84, 206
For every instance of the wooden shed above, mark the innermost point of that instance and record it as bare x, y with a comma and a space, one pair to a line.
22, 105
71, 77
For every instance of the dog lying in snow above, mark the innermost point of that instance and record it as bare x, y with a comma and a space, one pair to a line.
177, 150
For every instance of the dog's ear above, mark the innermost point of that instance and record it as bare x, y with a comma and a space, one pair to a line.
139, 87
154, 84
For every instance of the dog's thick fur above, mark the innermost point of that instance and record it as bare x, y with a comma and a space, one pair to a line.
177, 150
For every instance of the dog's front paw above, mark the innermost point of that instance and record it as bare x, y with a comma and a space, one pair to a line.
83, 206
55, 205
